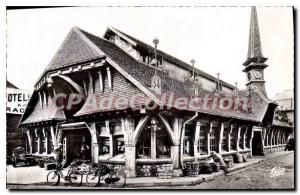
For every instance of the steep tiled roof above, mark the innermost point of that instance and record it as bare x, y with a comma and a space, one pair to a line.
143, 74
73, 50
36, 113
172, 59
91, 46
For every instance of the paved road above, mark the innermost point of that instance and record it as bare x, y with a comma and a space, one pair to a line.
257, 177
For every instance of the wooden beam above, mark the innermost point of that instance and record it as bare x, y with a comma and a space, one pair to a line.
91, 88
168, 128
101, 87
109, 77
139, 128
77, 87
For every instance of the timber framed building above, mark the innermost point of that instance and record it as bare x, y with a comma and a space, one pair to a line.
121, 66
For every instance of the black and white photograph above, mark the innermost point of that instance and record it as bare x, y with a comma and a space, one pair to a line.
150, 97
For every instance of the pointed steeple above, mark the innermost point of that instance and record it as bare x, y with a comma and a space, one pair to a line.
255, 63
254, 46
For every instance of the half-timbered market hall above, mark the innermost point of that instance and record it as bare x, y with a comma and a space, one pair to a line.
137, 106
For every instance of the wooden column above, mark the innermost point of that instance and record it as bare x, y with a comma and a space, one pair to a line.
109, 78
208, 138
111, 144
175, 149
46, 139
91, 88
229, 138
221, 137
130, 150
244, 138
101, 87
53, 136
251, 129
84, 85
197, 134
271, 137
238, 139
153, 144
29, 137
39, 140
94, 143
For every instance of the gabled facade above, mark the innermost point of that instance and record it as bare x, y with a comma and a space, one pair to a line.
117, 94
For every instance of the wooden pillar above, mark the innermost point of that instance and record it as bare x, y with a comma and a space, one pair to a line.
208, 138
101, 87
244, 137
39, 140
267, 136
111, 144
109, 78
252, 133
277, 137
196, 138
175, 149
229, 138
84, 85
130, 150
238, 139
271, 137
46, 139
40, 99
153, 144
221, 138
53, 136
94, 143
130, 161
29, 140
91, 88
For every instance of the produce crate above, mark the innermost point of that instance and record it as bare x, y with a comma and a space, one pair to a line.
238, 158
192, 169
205, 168
165, 171
228, 161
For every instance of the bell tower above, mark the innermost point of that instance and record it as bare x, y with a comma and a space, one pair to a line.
255, 63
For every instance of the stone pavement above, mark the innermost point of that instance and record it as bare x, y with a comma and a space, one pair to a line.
37, 176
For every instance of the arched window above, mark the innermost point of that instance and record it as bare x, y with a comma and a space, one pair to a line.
154, 141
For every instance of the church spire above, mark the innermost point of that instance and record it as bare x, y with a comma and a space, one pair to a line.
254, 65
254, 45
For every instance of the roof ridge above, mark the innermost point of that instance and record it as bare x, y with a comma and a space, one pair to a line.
115, 64
181, 61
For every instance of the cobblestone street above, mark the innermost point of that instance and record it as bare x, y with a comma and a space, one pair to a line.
256, 177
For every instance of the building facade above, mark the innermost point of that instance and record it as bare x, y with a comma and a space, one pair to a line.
16, 100
134, 105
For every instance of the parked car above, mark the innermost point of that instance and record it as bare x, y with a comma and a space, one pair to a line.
19, 156
290, 145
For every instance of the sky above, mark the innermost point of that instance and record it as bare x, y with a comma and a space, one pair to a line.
216, 37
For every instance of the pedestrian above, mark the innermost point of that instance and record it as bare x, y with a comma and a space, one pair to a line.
84, 151
58, 155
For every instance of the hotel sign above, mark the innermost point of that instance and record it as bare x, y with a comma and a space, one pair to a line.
16, 100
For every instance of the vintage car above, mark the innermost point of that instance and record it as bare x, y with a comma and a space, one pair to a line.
19, 156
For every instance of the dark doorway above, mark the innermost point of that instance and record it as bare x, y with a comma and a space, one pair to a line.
72, 144
257, 144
